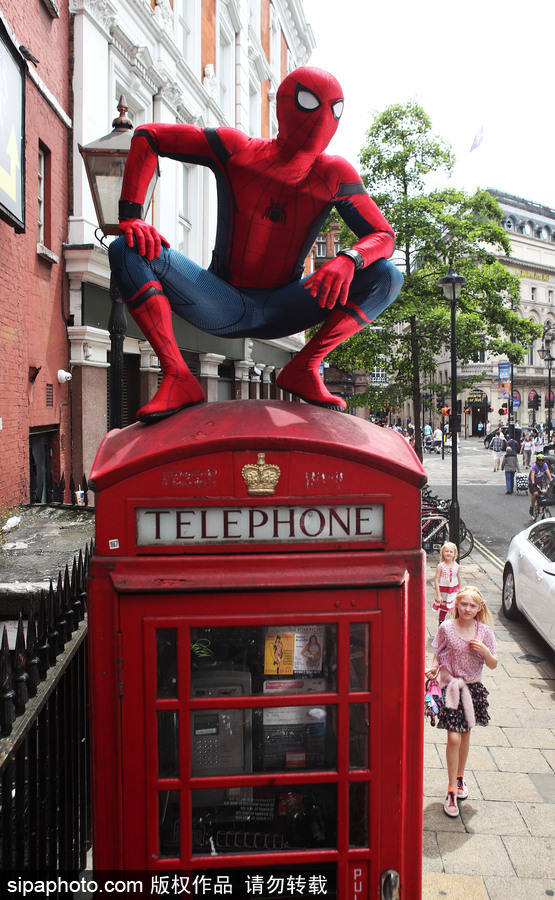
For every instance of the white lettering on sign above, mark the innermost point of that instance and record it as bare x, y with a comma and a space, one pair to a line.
252, 523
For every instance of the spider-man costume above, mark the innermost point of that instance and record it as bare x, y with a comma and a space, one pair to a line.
273, 197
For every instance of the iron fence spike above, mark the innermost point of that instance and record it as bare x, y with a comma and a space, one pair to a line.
21, 677
32, 661
7, 693
53, 635
43, 645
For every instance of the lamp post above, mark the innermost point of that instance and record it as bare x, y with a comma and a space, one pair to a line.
452, 285
545, 353
104, 161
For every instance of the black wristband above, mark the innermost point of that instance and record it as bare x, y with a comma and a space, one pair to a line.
130, 210
356, 257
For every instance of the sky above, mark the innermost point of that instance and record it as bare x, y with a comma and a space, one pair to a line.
479, 64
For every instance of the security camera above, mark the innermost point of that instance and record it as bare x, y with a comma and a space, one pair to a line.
63, 376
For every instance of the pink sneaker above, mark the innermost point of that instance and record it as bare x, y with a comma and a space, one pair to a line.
450, 807
462, 788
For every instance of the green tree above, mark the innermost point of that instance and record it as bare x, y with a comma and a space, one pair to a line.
431, 227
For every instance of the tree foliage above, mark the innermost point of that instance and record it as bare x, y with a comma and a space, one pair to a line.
432, 227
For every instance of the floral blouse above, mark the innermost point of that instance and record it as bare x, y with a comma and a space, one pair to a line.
454, 654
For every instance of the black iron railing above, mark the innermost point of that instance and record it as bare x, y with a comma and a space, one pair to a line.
55, 493
44, 727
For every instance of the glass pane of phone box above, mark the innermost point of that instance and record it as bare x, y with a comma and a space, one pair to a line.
268, 662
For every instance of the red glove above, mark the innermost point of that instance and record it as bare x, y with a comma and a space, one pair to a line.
331, 282
149, 240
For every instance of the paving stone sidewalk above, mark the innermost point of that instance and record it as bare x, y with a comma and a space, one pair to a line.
503, 843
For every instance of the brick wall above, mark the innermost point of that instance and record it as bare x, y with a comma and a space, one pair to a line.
33, 294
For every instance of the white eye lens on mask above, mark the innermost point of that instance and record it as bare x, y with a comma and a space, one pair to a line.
337, 109
307, 100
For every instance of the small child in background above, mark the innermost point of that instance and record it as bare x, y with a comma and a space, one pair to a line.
447, 580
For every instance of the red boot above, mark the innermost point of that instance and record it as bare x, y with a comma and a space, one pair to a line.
301, 376
178, 388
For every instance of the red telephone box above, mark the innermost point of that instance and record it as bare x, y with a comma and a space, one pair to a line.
256, 626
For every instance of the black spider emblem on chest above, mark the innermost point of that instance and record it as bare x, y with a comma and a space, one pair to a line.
276, 212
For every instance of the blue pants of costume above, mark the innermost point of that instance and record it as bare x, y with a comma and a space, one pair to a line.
219, 308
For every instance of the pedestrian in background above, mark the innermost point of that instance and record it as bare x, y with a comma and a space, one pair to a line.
539, 475
438, 437
527, 447
497, 446
510, 465
447, 580
538, 443
462, 645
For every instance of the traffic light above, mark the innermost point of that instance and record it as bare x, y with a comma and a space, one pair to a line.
503, 411
445, 410
440, 402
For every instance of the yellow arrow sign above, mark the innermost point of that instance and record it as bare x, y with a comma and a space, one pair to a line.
8, 180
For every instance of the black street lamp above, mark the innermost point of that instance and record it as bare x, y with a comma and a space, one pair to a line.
452, 285
545, 353
104, 161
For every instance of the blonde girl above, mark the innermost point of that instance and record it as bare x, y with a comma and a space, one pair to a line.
447, 580
463, 644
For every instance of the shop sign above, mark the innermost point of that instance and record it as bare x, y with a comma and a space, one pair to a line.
539, 276
12, 118
477, 397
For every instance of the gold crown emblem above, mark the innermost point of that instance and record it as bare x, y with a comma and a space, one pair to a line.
261, 477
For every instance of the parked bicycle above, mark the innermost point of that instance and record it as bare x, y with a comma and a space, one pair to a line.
435, 525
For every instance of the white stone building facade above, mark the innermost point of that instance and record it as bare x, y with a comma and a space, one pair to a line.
207, 62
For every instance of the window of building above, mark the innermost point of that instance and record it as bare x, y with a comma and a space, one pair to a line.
225, 69
275, 43
187, 18
183, 214
550, 297
226, 374
320, 246
480, 355
378, 376
254, 16
184, 28
336, 245
254, 107
41, 196
44, 209
533, 294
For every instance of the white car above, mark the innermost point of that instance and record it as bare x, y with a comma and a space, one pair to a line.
529, 578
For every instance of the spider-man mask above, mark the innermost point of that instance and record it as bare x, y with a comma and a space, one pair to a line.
309, 104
